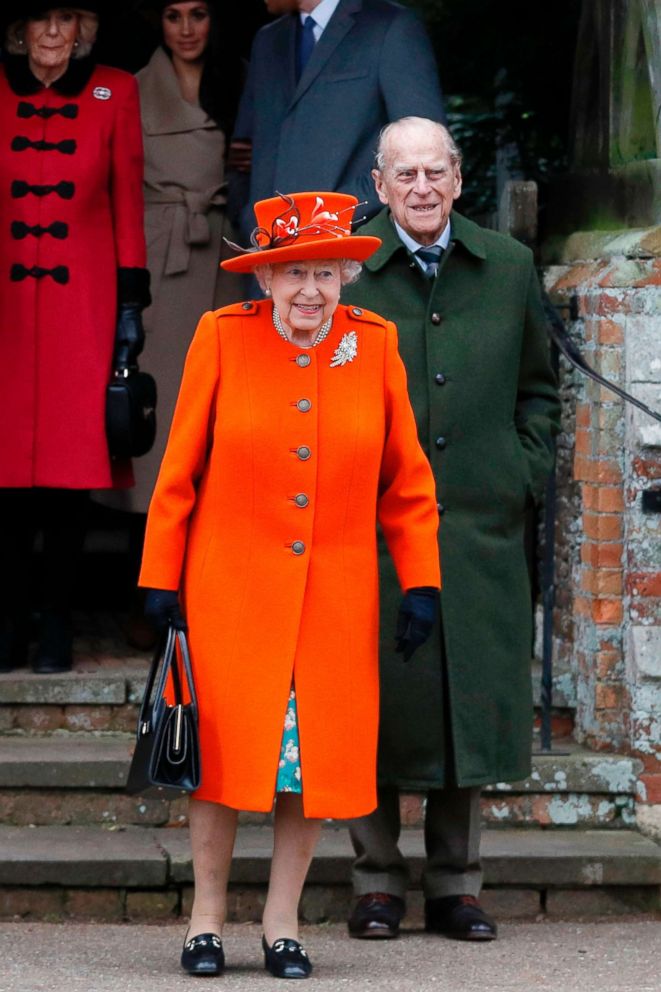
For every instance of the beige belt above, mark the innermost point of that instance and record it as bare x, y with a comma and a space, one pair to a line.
190, 225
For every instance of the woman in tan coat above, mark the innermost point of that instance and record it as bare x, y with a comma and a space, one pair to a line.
187, 101
293, 434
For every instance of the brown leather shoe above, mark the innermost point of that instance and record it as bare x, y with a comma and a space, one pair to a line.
461, 917
377, 915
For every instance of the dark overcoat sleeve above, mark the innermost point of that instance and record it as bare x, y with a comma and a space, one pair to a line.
409, 85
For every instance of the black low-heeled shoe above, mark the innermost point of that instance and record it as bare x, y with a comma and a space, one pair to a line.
286, 959
203, 955
461, 917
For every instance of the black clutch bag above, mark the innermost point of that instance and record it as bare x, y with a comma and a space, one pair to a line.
166, 760
130, 413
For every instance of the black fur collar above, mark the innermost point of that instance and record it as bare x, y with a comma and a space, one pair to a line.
23, 83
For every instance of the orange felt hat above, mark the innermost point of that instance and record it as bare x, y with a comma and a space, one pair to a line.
302, 226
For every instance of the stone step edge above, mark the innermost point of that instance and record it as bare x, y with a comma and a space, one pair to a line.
138, 858
112, 687
67, 761
319, 904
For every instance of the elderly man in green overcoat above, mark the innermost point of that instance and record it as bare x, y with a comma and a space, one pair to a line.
466, 302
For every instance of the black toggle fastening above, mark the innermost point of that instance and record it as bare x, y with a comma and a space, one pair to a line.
25, 109
60, 273
58, 229
21, 144
64, 189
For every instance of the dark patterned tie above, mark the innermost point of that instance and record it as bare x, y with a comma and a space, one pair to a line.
306, 43
430, 258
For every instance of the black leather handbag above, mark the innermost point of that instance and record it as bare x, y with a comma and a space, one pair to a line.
130, 413
166, 760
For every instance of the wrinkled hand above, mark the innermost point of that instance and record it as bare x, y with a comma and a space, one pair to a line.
415, 620
239, 158
129, 335
162, 608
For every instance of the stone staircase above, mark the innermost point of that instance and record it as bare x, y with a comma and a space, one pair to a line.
73, 844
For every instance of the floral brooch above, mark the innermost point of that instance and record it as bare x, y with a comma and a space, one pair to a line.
346, 350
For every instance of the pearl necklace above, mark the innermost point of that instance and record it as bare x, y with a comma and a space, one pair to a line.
323, 330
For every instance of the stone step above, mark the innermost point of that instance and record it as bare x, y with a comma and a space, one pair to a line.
22, 807
149, 872
104, 690
79, 778
114, 678
101, 760
100, 694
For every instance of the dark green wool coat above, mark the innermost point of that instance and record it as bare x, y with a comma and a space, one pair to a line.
474, 343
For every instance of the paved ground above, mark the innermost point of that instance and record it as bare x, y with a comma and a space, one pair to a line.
613, 956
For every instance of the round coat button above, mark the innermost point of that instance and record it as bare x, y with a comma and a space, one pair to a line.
357, 312
441, 442
301, 499
247, 306
436, 318
304, 405
303, 361
303, 453
440, 508
439, 379
298, 548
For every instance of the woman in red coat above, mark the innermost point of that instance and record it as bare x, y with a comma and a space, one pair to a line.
73, 285
293, 434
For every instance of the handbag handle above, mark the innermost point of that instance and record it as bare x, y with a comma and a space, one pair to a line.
184, 651
164, 662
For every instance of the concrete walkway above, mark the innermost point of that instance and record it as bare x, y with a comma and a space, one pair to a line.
613, 956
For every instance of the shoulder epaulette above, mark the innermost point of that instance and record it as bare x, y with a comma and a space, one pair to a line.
365, 316
247, 309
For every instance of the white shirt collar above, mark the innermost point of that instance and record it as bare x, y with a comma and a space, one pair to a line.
443, 239
322, 14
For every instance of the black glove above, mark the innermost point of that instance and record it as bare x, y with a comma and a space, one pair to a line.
162, 608
415, 620
129, 336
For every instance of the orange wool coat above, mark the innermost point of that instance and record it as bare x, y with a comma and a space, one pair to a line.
264, 515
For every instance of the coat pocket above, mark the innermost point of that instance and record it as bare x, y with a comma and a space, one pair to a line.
521, 461
349, 76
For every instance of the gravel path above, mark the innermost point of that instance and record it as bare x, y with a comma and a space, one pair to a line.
610, 956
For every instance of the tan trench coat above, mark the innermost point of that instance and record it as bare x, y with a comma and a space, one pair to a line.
184, 225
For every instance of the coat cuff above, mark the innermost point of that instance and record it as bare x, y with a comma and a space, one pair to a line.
133, 287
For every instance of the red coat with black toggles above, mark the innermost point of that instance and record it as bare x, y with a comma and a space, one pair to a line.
72, 241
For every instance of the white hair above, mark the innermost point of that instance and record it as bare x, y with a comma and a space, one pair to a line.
88, 25
349, 272
390, 129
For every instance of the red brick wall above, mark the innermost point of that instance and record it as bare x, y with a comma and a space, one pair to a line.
614, 633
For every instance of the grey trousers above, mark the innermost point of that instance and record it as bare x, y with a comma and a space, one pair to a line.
452, 845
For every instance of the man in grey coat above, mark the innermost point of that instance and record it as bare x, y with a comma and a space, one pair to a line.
472, 336
322, 83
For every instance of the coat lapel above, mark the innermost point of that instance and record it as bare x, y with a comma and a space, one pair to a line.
464, 232
162, 107
337, 28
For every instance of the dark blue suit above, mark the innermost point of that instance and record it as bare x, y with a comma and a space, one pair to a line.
373, 64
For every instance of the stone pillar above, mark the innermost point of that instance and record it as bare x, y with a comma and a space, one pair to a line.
613, 283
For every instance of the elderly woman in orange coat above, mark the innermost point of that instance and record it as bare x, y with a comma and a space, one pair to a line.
292, 437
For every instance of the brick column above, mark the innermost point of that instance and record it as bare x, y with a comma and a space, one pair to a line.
615, 567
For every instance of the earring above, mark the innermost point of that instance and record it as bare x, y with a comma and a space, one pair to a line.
76, 43
21, 42
267, 292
